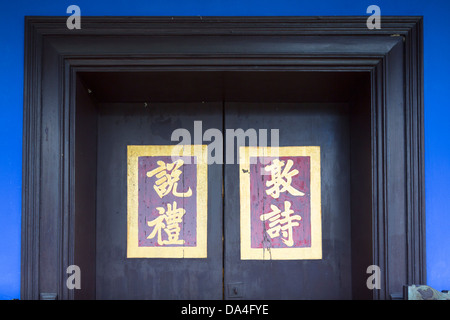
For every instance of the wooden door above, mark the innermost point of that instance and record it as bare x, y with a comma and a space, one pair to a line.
329, 277
119, 277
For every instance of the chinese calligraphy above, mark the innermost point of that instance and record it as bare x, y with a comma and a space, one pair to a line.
168, 182
281, 221
280, 203
281, 180
167, 201
169, 222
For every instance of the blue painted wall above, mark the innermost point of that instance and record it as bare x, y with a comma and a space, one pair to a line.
437, 106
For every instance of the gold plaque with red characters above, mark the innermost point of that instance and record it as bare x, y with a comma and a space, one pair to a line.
167, 202
280, 203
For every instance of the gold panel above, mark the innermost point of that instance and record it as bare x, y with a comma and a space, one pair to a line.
199, 250
314, 251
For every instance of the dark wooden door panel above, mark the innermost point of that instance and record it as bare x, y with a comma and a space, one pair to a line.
324, 125
124, 124
388, 156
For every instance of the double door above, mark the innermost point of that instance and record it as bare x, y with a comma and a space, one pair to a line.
223, 273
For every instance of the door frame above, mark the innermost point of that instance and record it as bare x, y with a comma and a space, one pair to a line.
393, 55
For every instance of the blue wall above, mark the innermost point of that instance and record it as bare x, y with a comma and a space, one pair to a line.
437, 111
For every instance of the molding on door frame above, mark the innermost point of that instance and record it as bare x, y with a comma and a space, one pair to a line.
221, 43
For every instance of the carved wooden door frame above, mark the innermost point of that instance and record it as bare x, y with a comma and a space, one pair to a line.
393, 55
